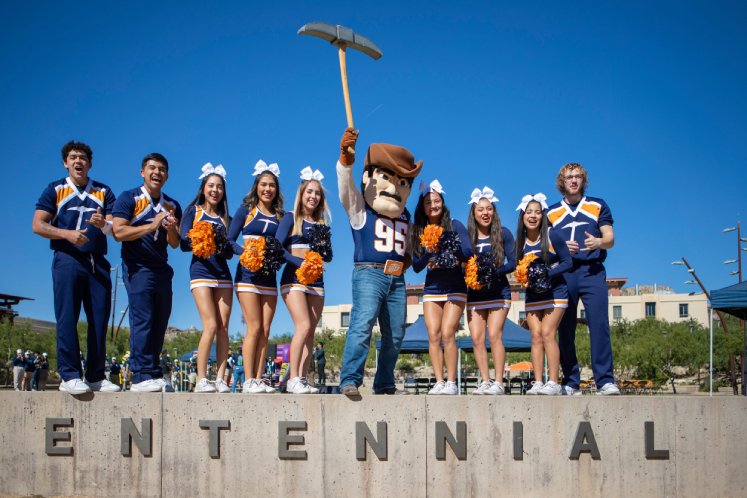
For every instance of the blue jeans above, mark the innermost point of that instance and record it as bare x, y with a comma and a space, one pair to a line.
238, 375
375, 295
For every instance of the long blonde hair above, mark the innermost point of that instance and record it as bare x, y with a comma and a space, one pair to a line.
321, 214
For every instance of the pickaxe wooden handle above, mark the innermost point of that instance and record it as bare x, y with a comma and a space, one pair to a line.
345, 90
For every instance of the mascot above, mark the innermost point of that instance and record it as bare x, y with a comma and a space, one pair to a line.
379, 222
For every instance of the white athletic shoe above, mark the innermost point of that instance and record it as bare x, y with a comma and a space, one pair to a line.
165, 385
222, 387
496, 389
550, 389
438, 387
74, 386
204, 386
267, 385
248, 385
609, 389
312, 389
482, 388
147, 386
570, 391
537, 386
450, 389
296, 386
254, 386
103, 386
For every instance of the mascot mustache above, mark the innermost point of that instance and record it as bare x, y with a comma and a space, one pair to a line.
393, 196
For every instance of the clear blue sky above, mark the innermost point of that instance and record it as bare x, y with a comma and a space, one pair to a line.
649, 96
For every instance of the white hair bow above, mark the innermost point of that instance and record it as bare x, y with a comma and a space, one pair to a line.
434, 186
262, 166
485, 193
307, 174
208, 169
538, 197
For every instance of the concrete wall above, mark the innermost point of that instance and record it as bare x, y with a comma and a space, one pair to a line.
706, 441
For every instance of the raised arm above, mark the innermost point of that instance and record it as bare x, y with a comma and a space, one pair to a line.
350, 197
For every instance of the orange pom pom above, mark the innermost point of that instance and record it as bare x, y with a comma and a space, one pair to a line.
470, 274
311, 268
520, 273
254, 254
203, 239
431, 236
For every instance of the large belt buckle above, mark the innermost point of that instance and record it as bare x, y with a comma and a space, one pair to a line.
394, 268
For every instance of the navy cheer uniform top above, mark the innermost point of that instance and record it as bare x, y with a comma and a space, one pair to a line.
213, 271
498, 295
560, 262
251, 225
445, 284
288, 280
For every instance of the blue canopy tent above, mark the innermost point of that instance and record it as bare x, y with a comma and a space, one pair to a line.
515, 339
416, 338
193, 354
732, 300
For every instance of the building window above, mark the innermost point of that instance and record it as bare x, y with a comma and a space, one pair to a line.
522, 316
345, 319
582, 313
684, 311
617, 312
650, 310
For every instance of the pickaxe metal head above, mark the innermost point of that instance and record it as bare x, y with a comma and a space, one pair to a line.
340, 35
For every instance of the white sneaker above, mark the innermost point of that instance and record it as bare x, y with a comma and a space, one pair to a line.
165, 385
147, 386
450, 389
254, 386
103, 386
204, 386
222, 387
609, 389
570, 391
482, 388
296, 386
267, 385
537, 385
436, 389
312, 389
496, 389
550, 389
74, 386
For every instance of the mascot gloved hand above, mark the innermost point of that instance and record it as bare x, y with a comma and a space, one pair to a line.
347, 147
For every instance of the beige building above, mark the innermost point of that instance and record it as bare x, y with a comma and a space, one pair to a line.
631, 303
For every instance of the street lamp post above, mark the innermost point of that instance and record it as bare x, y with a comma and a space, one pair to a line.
114, 301
738, 272
732, 363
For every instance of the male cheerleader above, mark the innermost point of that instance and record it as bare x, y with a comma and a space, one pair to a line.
586, 225
379, 222
75, 214
146, 220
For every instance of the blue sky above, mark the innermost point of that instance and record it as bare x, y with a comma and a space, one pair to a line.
649, 96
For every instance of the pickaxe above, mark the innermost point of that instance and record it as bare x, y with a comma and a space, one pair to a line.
343, 38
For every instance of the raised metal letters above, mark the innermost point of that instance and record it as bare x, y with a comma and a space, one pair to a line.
518, 441
458, 445
584, 433
285, 440
378, 445
51, 436
651, 453
214, 426
129, 433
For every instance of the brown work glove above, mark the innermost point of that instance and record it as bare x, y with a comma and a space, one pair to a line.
347, 142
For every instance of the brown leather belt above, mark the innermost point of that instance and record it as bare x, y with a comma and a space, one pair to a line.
391, 267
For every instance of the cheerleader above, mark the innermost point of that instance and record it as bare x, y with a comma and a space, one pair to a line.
258, 216
205, 224
445, 292
487, 307
304, 294
544, 309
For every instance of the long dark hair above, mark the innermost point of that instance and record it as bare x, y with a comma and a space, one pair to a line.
496, 234
421, 220
252, 198
521, 234
199, 199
